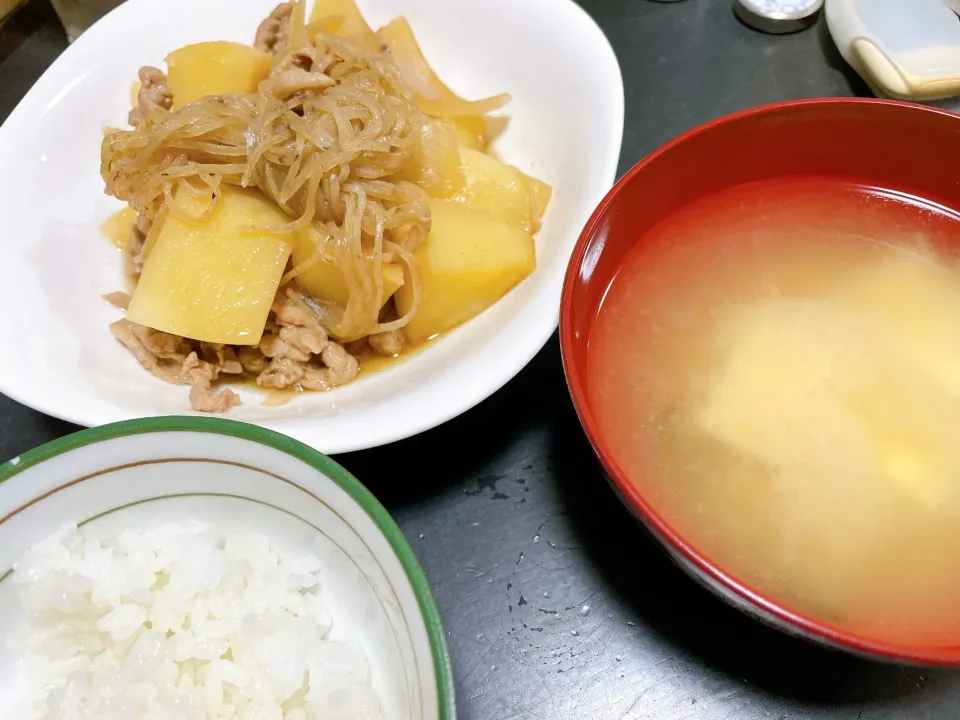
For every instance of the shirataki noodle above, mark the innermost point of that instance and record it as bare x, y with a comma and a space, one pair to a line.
322, 137
281, 196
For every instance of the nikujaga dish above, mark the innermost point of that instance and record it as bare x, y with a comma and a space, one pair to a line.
306, 203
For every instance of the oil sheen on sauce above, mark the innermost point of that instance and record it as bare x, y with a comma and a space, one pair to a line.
776, 367
370, 363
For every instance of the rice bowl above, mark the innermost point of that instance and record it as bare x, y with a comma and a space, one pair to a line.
229, 481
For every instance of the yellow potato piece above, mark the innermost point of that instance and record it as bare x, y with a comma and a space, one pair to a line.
324, 280
214, 280
352, 26
468, 137
214, 68
117, 227
496, 188
470, 260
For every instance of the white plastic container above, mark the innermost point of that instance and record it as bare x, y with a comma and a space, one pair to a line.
904, 49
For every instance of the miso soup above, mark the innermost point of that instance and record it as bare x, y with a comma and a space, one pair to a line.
777, 369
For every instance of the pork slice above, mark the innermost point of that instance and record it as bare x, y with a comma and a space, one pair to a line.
203, 398
153, 95
166, 368
387, 343
281, 373
339, 368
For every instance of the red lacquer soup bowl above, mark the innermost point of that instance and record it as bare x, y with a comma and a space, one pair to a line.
892, 146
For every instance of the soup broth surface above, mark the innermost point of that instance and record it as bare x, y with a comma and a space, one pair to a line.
776, 368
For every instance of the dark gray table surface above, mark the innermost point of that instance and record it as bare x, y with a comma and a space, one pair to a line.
557, 607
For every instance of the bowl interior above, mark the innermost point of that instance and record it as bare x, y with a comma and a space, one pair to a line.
372, 585
566, 122
888, 145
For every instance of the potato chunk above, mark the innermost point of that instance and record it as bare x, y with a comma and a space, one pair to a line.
502, 190
470, 260
117, 227
214, 68
467, 137
352, 25
496, 188
324, 281
214, 279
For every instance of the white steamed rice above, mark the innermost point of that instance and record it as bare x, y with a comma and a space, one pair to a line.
181, 622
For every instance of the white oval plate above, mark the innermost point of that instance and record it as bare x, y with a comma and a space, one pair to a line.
60, 358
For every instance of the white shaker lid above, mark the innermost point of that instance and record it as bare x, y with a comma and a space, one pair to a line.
777, 16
